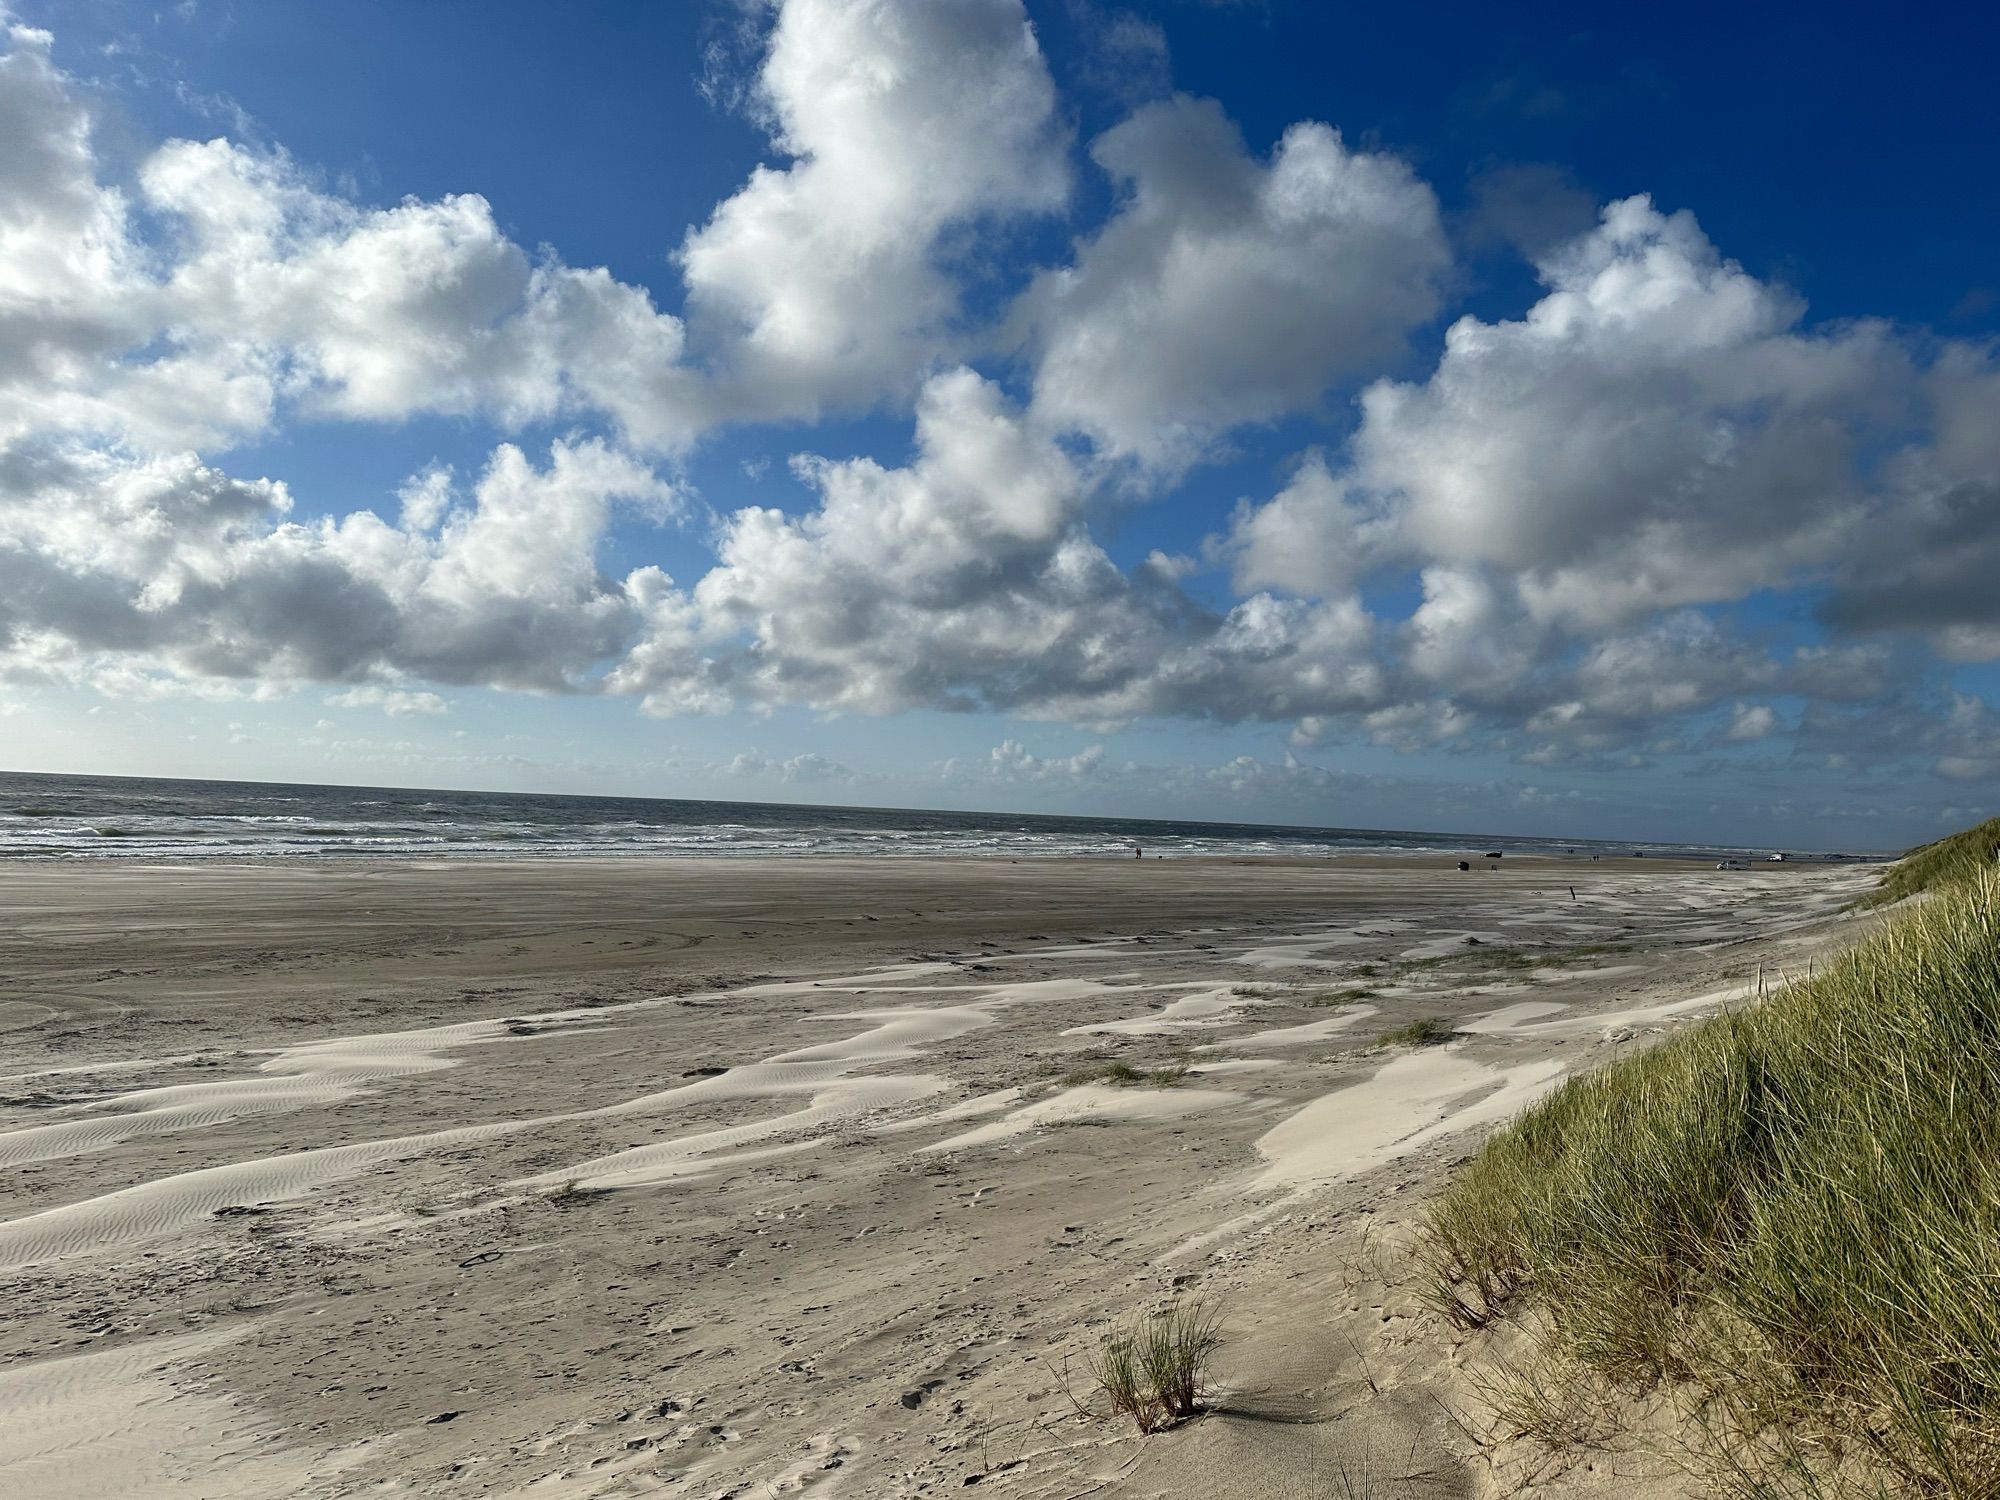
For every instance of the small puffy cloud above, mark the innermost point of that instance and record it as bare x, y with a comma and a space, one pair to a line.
828, 281
1750, 722
426, 496
1471, 635
809, 766
1681, 665
1316, 536
1419, 724
1227, 290
1010, 760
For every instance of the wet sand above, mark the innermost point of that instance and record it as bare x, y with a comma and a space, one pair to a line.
750, 1177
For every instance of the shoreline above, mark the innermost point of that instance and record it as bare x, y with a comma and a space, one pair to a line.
85, 818
1443, 862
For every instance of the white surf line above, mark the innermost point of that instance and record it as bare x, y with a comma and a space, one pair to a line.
1090, 1102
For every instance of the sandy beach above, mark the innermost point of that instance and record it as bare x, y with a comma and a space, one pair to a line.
761, 1177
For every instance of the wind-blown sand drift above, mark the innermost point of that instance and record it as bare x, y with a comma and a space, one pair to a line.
727, 1180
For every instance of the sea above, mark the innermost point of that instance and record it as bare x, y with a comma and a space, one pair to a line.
103, 817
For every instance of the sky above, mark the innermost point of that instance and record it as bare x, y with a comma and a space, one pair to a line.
1574, 422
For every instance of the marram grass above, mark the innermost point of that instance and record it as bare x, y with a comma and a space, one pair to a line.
1155, 1370
1945, 862
1789, 1216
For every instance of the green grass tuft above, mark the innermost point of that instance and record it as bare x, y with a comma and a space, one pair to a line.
1124, 1075
1791, 1213
1155, 1371
573, 1194
1339, 997
1429, 1032
1945, 862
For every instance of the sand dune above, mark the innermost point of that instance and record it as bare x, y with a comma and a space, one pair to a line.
311, 1074
1354, 1130
1091, 1103
115, 1423
1216, 1007
1305, 1032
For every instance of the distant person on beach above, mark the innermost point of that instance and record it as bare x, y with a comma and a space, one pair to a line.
1137, 852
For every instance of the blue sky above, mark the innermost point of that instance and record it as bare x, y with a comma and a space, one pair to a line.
1573, 422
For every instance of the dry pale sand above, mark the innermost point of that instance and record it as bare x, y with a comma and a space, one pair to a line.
750, 1178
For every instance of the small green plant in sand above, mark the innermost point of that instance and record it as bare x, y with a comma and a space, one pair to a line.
1787, 1218
1428, 1032
573, 1194
1513, 958
1123, 1075
1340, 997
1155, 1370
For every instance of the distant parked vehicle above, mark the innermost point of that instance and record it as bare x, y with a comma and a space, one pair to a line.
1732, 864
1777, 859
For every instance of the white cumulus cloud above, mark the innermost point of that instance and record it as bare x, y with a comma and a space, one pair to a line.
829, 281
1228, 290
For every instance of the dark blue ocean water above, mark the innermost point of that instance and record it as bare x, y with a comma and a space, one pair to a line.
93, 817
